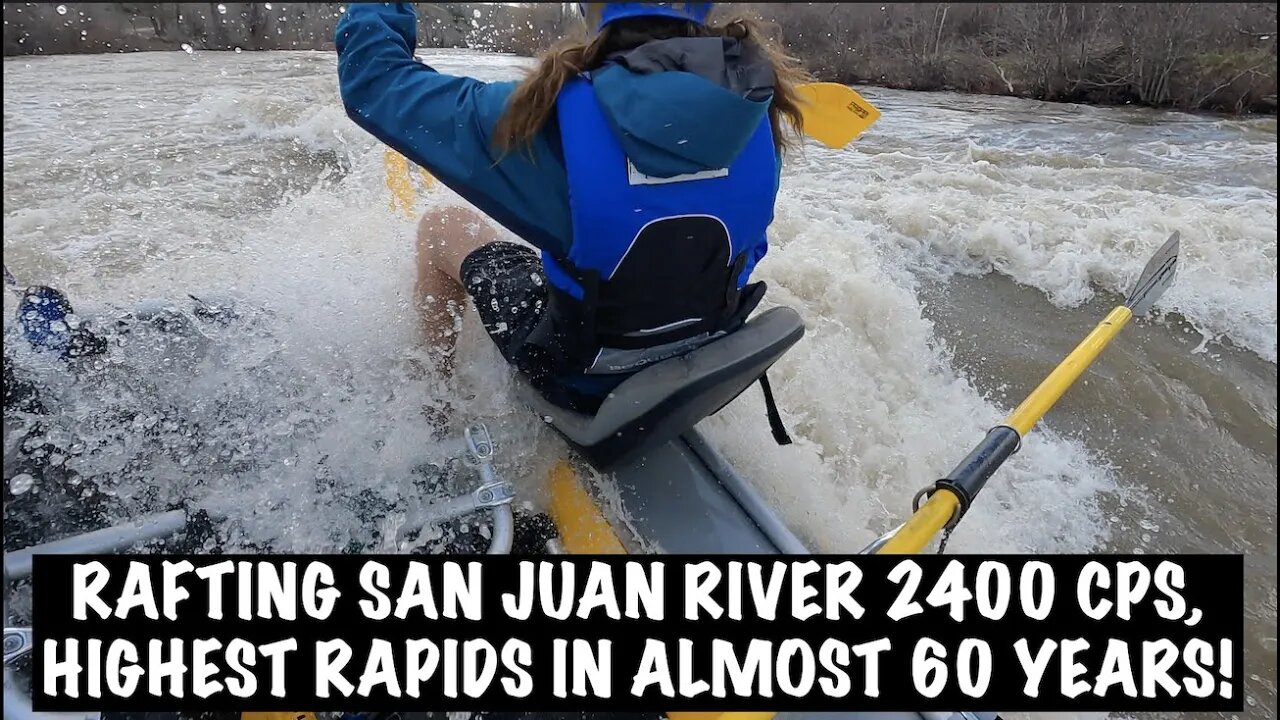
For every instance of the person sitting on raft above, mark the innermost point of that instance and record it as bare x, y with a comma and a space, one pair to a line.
643, 163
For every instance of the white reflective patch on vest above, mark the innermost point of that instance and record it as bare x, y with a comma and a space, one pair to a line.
635, 177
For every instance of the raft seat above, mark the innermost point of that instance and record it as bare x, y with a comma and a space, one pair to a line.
666, 399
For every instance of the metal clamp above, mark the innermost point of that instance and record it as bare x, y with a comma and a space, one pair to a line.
479, 443
490, 495
17, 642
956, 514
494, 494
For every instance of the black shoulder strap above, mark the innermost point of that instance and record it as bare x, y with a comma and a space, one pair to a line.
771, 410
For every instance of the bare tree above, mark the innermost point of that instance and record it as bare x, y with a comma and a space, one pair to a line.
1214, 56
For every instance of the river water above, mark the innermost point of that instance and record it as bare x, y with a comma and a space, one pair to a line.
944, 263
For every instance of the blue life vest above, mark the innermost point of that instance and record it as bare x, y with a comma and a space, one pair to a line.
657, 266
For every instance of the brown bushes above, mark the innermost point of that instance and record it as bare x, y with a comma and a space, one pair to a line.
1192, 56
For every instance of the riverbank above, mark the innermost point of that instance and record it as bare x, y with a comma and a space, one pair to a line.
1264, 106
1184, 56
1260, 107
1207, 57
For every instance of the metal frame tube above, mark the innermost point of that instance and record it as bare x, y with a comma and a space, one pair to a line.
17, 564
747, 496
503, 531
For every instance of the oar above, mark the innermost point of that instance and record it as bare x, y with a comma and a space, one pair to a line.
834, 115
400, 183
953, 495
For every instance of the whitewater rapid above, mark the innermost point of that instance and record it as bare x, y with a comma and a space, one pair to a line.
158, 174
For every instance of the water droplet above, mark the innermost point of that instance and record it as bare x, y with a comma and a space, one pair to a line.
267, 5
476, 12
222, 9
188, 49
21, 482
62, 9
238, 50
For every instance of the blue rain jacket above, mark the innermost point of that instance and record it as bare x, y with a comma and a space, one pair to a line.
678, 107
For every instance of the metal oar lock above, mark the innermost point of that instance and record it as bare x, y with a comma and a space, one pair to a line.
948, 499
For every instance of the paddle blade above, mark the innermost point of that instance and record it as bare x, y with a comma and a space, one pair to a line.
399, 182
1156, 277
834, 114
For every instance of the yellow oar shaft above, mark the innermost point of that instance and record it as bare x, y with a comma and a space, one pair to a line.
1038, 403
932, 517
916, 533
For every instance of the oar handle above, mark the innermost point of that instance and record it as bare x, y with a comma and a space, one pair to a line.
954, 493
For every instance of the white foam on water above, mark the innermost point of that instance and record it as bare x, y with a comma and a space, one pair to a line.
1065, 199
940, 185
1072, 200
267, 191
879, 412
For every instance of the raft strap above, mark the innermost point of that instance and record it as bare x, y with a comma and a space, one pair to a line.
771, 410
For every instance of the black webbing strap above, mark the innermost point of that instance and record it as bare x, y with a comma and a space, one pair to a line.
771, 410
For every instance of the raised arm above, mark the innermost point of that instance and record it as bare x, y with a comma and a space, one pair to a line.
444, 123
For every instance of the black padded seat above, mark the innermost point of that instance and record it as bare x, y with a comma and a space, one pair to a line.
664, 400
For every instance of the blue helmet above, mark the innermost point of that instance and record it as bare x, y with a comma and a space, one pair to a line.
610, 11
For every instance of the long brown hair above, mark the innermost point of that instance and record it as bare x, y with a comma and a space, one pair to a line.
534, 99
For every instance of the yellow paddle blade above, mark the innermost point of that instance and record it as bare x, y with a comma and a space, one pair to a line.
399, 182
834, 114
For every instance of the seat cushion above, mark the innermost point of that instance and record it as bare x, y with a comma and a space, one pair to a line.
666, 399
